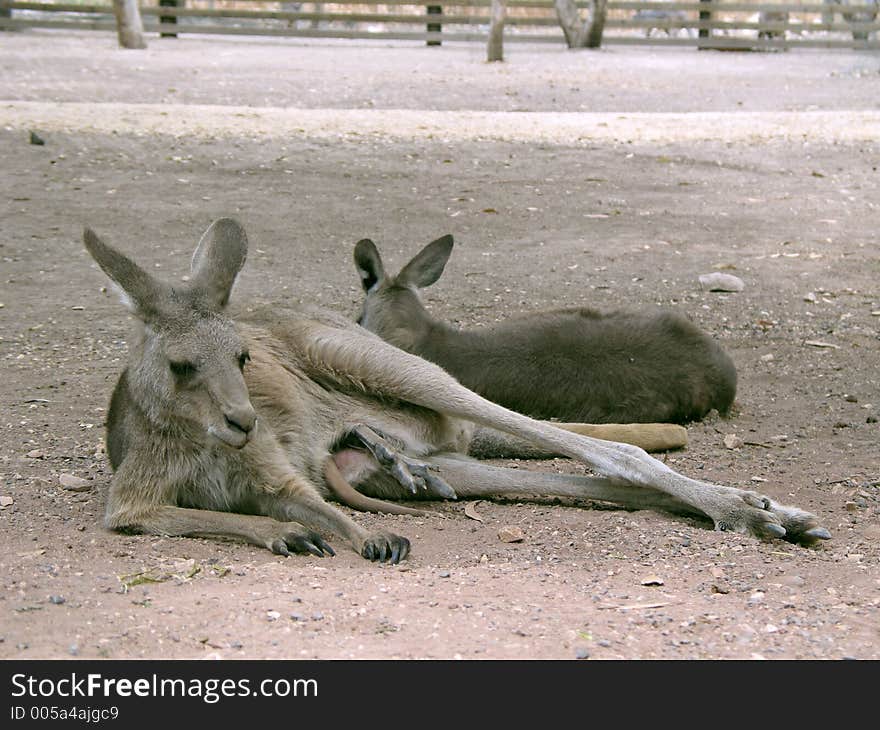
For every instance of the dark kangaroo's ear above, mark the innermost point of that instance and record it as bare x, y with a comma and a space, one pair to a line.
218, 258
368, 263
141, 293
427, 265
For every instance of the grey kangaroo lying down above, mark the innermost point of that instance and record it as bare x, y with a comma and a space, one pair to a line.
572, 364
241, 427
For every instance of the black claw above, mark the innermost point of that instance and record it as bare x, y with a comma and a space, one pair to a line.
766, 502
395, 553
381, 452
403, 476
774, 529
818, 533
383, 550
441, 488
313, 549
322, 543
367, 552
279, 547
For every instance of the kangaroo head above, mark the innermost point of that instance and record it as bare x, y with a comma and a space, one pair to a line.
186, 367
392, 307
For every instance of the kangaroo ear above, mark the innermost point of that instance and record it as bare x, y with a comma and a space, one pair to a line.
368, 263
140, 292
426, 266
217, 260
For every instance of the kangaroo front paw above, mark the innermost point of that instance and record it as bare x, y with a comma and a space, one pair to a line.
384, 546
408, 471
416, 475
298, 539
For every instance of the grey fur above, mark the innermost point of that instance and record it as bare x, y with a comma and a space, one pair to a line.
572, 364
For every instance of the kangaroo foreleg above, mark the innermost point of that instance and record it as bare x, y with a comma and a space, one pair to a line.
411, 472
282, 538
299, 503
346, 494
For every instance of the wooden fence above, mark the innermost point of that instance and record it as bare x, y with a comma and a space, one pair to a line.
718, 24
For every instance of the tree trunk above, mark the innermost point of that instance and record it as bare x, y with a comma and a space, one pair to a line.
129, 26
495, 46
582, 33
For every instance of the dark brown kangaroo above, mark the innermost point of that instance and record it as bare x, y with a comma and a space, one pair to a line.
571, 364
241, 427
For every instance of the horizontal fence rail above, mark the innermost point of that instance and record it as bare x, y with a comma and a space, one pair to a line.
715, 24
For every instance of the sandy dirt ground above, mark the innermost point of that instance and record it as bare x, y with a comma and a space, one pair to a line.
611, 179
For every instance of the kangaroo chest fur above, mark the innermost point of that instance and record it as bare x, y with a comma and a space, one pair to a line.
310, 419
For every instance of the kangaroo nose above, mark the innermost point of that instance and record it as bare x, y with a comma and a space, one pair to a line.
241, 419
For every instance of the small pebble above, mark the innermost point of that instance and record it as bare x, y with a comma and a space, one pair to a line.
767, 358
810, 297
443, 574
273, 615
317, 616
296, 617
732, 441
74, 484
581, 653
6, 501
717, 281
511, 533
73, 650
36, 139
57, 600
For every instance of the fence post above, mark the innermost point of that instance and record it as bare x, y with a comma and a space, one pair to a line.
580, 33
705, 32
435, 27
129, 27
172, 19
495, 45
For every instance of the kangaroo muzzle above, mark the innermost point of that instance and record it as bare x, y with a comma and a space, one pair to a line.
238, 427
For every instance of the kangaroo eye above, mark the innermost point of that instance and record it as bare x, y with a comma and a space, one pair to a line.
183, 369
243, 359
